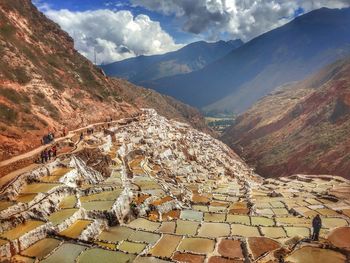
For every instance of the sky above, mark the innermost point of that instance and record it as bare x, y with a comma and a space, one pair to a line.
120, 29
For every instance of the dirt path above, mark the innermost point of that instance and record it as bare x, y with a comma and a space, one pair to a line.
24, 162
37, 150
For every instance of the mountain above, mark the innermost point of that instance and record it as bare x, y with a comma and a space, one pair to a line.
286, 54
46, 85
301, 128
143, 69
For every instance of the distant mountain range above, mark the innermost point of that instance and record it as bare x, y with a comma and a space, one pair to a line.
145, 69
301, 128
285, 54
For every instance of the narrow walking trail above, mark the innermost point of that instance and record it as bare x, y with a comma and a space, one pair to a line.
14, 172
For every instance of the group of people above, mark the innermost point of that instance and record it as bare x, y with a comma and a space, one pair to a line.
47, 154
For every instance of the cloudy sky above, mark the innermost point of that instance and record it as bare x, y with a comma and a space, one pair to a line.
119, 29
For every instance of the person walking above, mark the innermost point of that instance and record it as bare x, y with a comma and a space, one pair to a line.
46, 155
316, 226
49, 153
42, 155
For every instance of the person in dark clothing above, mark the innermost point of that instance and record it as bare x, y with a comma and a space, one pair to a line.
46, 155
42, 155
49, 153
316, 225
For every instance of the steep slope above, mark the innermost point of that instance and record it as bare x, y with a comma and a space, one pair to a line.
143, 69
285, 54
301, 128
46, 85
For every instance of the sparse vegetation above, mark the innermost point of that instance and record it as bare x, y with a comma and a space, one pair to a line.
7, 114
40, 99
14, 96
21, 75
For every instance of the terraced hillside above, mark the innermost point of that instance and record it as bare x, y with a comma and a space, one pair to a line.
154, 190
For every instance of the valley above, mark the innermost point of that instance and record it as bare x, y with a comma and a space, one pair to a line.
157, 190
95, 169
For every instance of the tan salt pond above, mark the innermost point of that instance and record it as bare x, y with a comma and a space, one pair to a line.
38, 188
67, 252
103, 196
273, 232
280, 211
201, 208
141, 223
95, 255
55, 175
165, 246
214, 217
5, 204
240, 219
214, 230
244, 231
25, 198
333, 222
61, 215
21, 229
167, 227
327, 212
146, 237
41, 248
106, 245
261, 221
191, 215
147, 259
186, 227
131, 247
297, 231
98, 205
115, 234
293, 221
68, 202
315, 255
75, 229
197, 245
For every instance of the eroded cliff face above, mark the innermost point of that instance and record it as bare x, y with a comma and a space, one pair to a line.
159, 190
301, 128
46, 85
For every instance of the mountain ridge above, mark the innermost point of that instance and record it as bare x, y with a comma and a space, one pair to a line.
143, 69
285, 54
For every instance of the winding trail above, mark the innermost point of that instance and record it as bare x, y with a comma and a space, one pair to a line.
4, 180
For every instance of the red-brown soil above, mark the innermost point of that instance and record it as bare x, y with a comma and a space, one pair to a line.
301, 128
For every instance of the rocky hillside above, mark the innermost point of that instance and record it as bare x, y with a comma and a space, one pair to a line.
46, 85
300, 128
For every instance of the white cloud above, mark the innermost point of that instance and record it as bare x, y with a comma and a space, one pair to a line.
114, 35
243, 19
